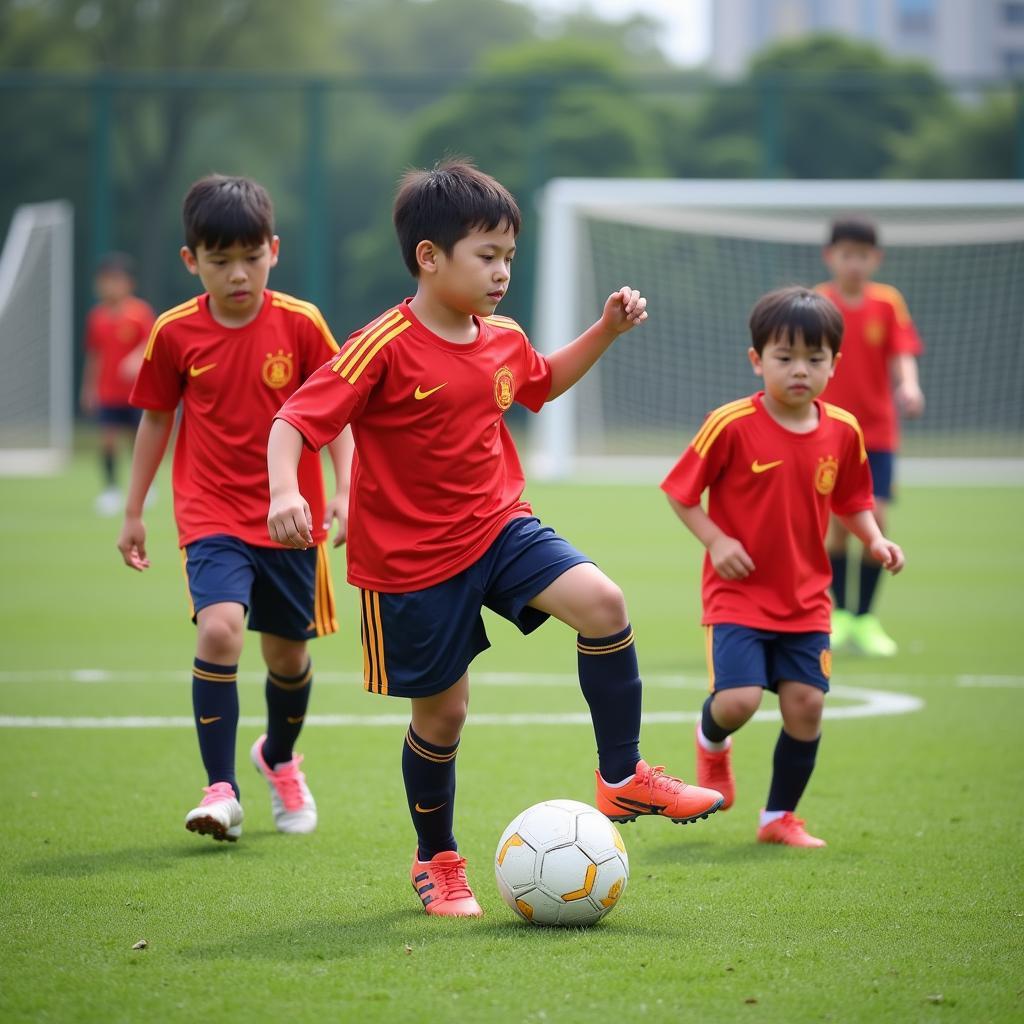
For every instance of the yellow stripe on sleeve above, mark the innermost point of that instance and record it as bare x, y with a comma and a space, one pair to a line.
308, 310
185, 309
367, 359
714, 417
354, 351
705, 446
843, 416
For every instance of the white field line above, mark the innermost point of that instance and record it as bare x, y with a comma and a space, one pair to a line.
992, 682
870, 703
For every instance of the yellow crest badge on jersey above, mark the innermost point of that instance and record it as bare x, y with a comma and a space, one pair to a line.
278, 369
825, 475
504, 388
826, 663
874, 332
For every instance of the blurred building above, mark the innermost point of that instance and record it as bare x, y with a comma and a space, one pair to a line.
960, 38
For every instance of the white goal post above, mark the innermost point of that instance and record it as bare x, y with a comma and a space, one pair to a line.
36, 340
703, 251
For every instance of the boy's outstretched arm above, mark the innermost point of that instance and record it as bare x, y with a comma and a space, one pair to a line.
341, 450
907, 386
150, 445
623, 310
288, 520
863, 526
728, 556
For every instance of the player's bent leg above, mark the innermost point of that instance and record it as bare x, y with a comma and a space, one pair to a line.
723, 713
584, 598
219, 814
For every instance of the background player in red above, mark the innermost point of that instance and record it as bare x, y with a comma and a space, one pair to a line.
774, 465
439, 528
231, 357
115, 336
876, 377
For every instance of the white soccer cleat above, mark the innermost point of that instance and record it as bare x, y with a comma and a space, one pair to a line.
291, 802
219, 815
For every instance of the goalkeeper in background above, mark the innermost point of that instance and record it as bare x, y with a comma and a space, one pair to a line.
877, 375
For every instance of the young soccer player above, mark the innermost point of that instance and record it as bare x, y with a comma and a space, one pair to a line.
115, 336
231, 356
774, 464
438, 526
877, 376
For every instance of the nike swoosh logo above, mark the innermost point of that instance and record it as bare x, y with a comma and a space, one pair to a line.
637, 805
759, 467
198, 371
295, 721
209, 721
430, 810
419, 394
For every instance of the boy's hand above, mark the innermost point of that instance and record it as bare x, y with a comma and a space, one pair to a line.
623, 310
131, 542
730, 558
889, 554
909, 399
289, 521
337, 509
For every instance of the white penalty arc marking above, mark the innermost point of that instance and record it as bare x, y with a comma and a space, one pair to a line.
871, 703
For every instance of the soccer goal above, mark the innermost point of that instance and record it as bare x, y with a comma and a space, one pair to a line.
36, 340
704, 251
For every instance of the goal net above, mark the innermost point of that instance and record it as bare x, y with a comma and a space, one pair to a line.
703, 252
36, 340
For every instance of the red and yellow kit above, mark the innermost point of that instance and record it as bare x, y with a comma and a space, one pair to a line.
436, 475
772, 490
874, 331
111, 335
231, 383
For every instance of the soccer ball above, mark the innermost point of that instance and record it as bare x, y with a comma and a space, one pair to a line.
561, 862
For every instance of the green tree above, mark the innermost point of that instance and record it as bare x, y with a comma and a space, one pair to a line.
822, 107
972, 141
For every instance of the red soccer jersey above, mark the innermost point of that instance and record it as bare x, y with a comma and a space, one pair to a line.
231, 382
874, 331
436, 474
772, 490
111, 336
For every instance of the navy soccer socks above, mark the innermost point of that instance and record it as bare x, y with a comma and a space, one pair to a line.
287, 700
870, 574
429, 773
839, 563
215, 705
714, 733
792, 765
610, 681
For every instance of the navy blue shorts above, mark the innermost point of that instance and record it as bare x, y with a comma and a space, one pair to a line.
422, 642
118, 416
287, 592
882, 464
741, 656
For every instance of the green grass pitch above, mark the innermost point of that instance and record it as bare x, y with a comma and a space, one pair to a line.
913, 913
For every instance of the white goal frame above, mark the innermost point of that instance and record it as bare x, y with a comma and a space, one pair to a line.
564, 202
58, 217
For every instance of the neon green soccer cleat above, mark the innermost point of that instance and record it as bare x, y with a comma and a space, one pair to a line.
867, 633
842, 628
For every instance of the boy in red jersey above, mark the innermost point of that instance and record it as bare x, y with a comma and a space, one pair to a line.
115, 335
877, 376
774, 465
438, 526
231, 356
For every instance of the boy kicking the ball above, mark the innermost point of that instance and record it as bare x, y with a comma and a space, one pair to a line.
438, 527
774, 465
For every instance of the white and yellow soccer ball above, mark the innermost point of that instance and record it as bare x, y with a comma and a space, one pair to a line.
561, 862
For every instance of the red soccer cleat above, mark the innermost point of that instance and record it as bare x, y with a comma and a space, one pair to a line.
789, 831
714, 771
651, 791
441, 884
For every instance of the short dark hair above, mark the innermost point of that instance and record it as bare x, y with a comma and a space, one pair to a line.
444, 204
220, 211
787, 312
854, 229
116, 263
